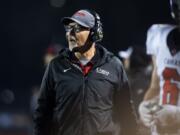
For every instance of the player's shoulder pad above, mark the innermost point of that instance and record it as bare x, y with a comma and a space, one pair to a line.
158, 28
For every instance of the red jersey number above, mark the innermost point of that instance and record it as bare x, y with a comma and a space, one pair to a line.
170, 89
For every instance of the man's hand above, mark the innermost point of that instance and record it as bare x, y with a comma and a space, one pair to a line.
145, 113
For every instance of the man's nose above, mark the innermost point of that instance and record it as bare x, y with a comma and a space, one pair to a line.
72, 31
70, 34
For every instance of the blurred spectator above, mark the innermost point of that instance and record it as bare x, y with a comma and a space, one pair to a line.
51, 51
125, 55
12, 120
138, 67
14, 123
33, 100
7, 96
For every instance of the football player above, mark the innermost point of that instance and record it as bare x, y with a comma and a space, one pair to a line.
160, 109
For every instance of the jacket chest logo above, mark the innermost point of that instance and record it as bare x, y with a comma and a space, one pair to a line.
102, 71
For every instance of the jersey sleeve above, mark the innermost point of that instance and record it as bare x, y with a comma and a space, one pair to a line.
152, 39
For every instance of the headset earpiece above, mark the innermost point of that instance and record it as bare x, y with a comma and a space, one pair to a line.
97, 30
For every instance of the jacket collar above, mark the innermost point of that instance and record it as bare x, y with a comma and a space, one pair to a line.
102, 55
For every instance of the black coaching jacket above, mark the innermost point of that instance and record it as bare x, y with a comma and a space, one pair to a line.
73, 104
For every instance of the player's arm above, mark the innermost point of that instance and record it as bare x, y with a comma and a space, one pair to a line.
154, 88
150, 98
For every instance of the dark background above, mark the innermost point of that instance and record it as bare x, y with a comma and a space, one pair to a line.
29, 26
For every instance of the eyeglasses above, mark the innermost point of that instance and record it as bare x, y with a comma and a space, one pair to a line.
75, 27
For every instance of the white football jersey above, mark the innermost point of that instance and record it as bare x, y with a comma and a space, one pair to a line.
168, 65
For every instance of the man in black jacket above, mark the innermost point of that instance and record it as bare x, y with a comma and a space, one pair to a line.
84, 90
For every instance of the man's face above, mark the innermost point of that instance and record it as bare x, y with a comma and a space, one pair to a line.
76, 35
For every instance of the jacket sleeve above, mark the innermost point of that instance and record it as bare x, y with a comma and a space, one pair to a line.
124, 106
44, 111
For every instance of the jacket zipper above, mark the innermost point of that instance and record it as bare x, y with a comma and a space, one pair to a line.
83, 96
83, 106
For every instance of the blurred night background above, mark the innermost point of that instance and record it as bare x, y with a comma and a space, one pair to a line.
29, 27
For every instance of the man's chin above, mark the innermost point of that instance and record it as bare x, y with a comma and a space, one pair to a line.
72, 46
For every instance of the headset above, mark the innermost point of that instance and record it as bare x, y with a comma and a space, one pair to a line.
96, 33
97, 30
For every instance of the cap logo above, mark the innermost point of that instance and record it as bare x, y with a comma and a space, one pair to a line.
80, 14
